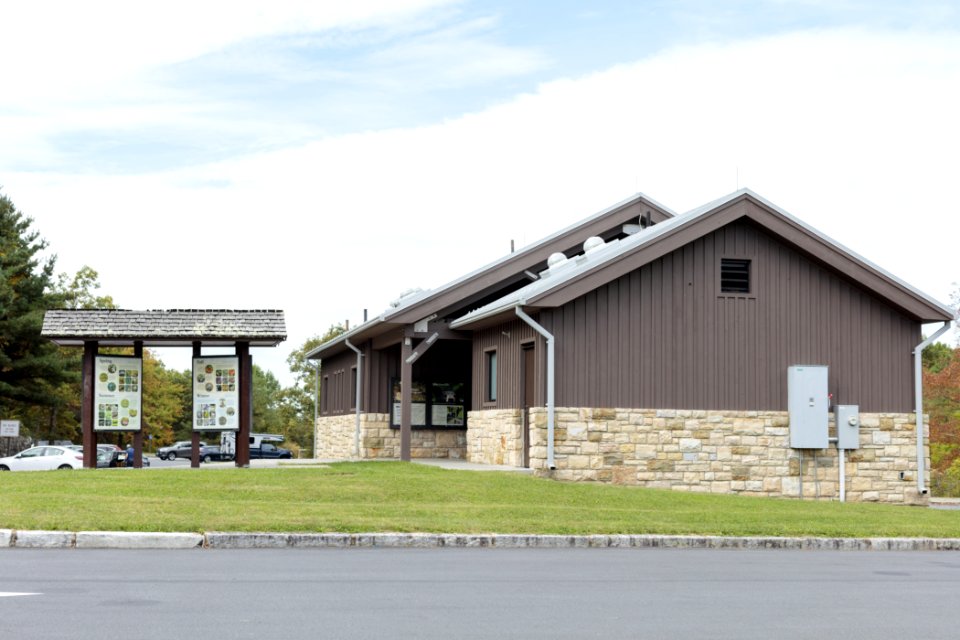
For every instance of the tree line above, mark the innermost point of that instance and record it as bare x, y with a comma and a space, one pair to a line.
40, 382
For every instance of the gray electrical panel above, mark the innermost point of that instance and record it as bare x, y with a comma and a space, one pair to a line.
808, 404
848, 426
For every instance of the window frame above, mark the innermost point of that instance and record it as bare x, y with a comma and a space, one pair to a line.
325, 395
353, 387
491, 377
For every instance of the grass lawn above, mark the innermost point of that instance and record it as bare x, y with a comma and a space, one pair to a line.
402, 497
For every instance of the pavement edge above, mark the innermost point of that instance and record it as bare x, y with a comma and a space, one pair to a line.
10, 538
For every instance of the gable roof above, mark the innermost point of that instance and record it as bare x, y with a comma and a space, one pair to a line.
507, 273
175, 327
603, 264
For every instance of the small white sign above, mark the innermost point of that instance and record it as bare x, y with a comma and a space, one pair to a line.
9, 428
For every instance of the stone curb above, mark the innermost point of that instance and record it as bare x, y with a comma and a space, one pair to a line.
137, 540
226, 540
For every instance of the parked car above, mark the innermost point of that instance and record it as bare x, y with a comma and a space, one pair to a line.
267, 450
117, 456
181, 449
43, 459
214, 453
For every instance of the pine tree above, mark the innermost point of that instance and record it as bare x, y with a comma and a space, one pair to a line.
31, 368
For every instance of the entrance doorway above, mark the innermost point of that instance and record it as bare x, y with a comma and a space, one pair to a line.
529, 375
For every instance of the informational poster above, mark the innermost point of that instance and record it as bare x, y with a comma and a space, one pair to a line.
216, 393
418, 414
447, 415
447, 408
433, 404
117, 393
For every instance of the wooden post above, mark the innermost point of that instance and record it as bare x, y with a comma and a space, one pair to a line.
194, 434
406, 395
246, 404
86, 415
138, 434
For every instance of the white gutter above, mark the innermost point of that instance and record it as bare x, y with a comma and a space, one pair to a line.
918, 393
550, 381
356, 431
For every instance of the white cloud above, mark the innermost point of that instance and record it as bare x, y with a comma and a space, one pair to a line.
853, 132
59, 44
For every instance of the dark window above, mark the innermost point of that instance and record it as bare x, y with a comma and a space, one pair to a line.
734, 275
353, 388
491, 376
324, 395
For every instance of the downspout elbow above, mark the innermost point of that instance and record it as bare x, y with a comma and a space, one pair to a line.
551, 381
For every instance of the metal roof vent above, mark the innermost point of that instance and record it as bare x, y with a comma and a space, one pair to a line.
592, 244
405, 294
556, 259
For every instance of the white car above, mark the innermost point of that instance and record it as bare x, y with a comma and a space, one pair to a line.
43, 459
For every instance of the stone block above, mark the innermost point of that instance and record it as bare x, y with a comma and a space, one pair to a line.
624, 475
612, 459
137, 540
690, 444
740, 472
645, 452
44, 539
660, 465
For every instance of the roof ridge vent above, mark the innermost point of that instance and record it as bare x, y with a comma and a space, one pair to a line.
592, 244
556, 259
406, 293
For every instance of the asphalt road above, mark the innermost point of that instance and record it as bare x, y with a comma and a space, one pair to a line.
478, 593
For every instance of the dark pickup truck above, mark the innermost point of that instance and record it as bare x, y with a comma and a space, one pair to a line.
267, 450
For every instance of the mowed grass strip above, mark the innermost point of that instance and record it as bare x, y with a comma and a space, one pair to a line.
402, 497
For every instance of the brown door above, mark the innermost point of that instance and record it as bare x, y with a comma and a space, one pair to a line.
529, 397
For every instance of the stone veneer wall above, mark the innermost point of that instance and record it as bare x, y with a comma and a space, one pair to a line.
743, 452
378, 440
495, 437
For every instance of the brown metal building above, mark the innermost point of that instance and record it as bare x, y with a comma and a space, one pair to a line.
672, 337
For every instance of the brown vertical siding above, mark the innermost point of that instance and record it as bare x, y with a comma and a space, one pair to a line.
335, 376
507, 339
664, 337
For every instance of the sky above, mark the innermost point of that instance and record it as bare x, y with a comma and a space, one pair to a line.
222, 155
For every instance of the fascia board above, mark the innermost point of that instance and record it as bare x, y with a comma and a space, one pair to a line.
721, 212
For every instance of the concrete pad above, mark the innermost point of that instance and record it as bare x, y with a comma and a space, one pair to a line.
44, 539
463, 465
137, 540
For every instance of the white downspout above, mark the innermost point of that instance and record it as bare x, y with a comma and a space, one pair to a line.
316, 403
356, 431
550, 381
918, 393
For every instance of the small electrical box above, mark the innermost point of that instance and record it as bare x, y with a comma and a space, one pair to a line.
808, 404
848, 426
